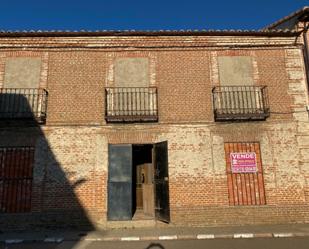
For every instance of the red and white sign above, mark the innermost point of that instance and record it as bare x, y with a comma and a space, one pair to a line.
243, 162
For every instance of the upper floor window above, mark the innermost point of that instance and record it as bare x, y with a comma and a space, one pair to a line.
235, 71
20, 96
131, 72
131, 99
237, 98
22, 72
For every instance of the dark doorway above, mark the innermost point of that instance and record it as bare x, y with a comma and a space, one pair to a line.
138, 182
143, 188
130, 182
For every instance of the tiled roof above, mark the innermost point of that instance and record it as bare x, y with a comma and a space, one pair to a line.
55, 33
299, 12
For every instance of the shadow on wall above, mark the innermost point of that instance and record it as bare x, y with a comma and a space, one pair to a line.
35, 191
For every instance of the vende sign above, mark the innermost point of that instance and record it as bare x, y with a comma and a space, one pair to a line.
244, 162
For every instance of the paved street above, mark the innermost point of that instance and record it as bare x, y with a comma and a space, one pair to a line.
261, 243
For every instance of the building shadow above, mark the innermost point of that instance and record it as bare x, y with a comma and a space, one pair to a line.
36, 192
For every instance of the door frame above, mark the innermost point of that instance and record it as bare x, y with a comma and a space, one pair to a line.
163, 182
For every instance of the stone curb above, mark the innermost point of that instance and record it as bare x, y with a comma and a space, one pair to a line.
163, 237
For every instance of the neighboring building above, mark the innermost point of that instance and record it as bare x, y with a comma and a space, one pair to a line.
186, 127
298, 22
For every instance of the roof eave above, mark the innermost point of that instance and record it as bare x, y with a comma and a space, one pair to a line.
272, 33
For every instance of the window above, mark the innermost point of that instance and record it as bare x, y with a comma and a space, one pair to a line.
244, 174
235, 70
22, 72
132, 72
237, 98
131, 99
16, 179
21, 97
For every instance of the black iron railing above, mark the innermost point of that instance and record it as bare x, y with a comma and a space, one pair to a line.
131, 104
240, 103
23, 103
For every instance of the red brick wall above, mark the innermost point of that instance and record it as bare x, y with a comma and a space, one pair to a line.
76, 87
76, 135
76, 82
272, 73
183, 79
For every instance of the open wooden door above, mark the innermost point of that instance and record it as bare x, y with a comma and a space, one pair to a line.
148, 189
119, 182
162, 207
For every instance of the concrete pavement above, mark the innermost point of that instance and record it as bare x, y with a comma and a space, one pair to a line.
256, 243
158, 234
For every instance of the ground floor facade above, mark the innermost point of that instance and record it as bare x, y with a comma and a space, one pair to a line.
195, 174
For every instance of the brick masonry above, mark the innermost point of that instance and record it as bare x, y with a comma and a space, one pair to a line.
71, 160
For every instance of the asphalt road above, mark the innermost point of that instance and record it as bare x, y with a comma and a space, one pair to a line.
271, 243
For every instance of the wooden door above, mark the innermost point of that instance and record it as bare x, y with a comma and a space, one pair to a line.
16, 169
162, 207
148, 189
245, 188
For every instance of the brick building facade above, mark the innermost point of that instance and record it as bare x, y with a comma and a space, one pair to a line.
187, 127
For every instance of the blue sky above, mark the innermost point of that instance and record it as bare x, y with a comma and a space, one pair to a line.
143, 14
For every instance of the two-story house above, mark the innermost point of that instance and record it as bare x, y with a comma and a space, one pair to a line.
125, 128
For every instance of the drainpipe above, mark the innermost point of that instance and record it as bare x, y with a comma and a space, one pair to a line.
306, 59
306, 54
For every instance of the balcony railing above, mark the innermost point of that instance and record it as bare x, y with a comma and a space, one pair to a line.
240, 103
23, 103
131, 104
